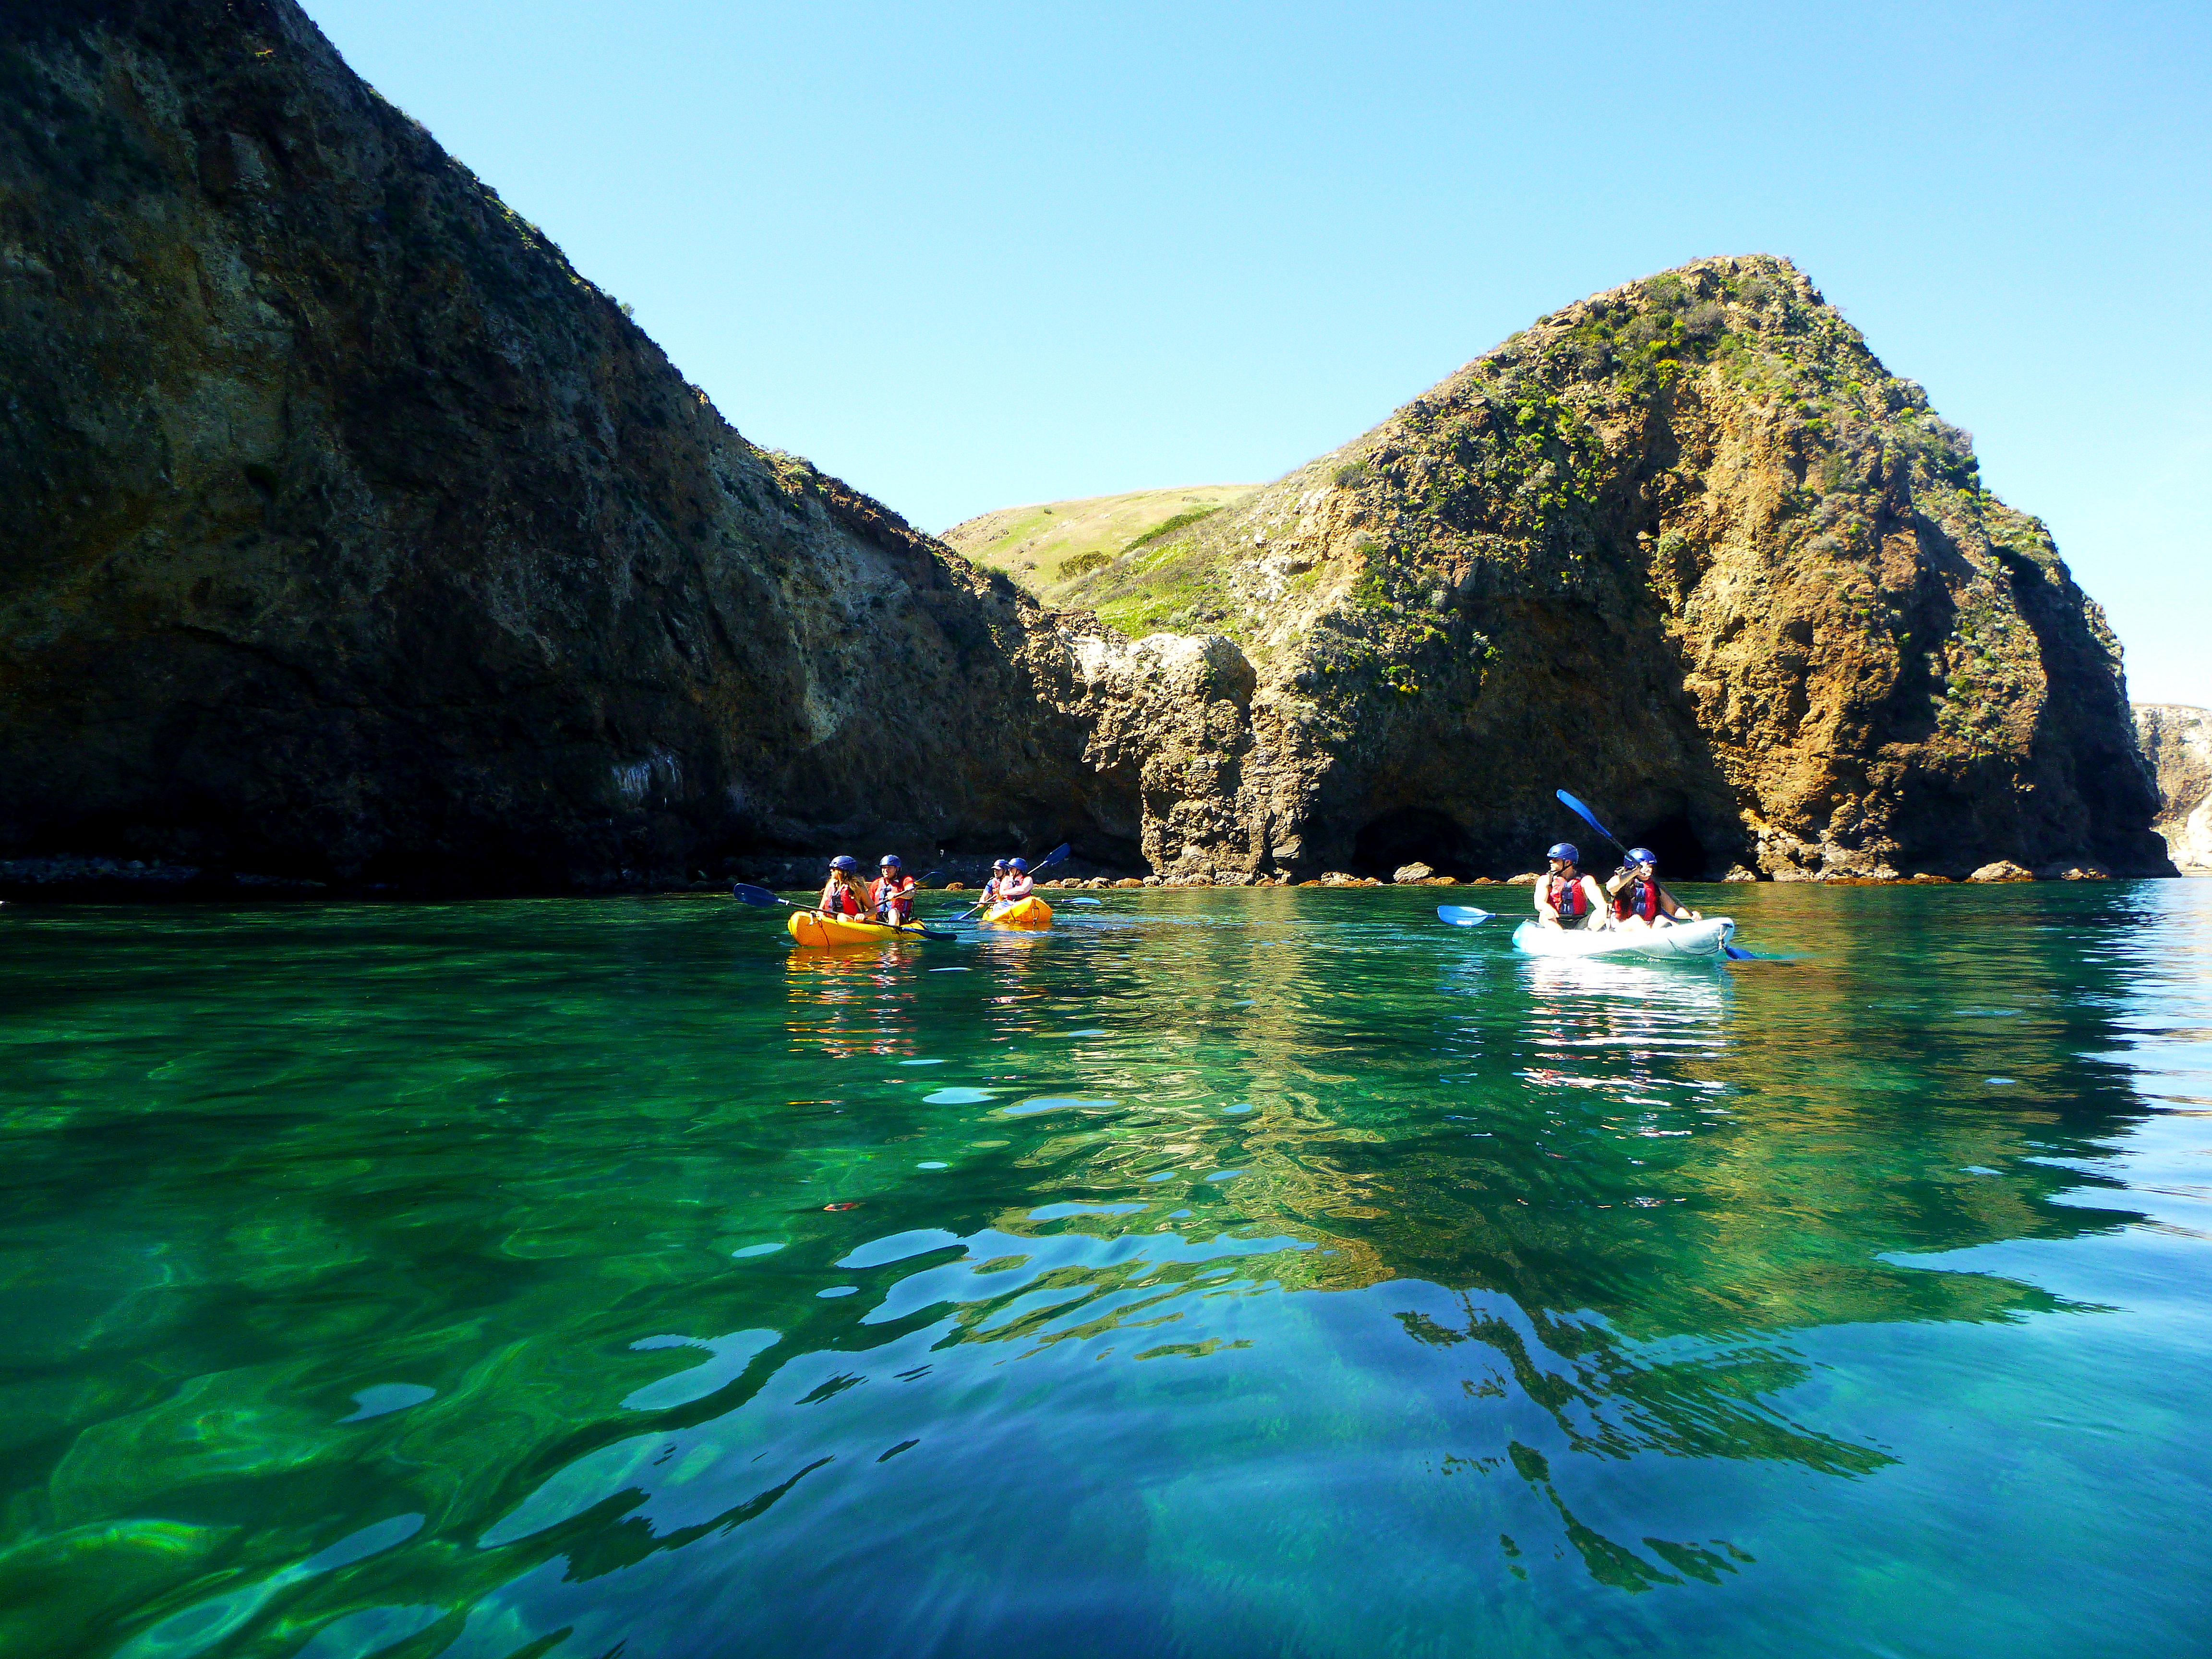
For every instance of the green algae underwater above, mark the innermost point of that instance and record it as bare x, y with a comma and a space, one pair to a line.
1219, 1274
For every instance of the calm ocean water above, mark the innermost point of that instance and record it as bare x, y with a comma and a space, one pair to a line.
1219, 1274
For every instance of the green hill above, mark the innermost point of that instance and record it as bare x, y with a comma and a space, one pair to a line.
1048, 546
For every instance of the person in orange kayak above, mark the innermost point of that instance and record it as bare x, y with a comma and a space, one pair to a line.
891, 895
1015, 885
843, 894
1566, 897
1638, 900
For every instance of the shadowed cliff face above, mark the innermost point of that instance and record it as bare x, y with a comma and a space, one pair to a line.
349, 532
1685, 548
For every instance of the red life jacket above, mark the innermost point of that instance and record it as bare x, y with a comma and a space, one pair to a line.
1567, 896
893, 895
1015, 888
1638, 898
842, 902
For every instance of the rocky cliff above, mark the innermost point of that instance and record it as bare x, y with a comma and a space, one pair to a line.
2177, 741
347, 532
1685, 548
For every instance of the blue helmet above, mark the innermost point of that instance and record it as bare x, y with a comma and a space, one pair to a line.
1565, 851
1643, 855
1022, 865
890, 861
998, 864
843, 862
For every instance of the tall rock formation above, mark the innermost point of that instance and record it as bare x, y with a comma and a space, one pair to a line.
347, 532
2177, 741
1685, 548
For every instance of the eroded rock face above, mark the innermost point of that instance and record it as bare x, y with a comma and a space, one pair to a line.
2177, 741
1686, 548
347, 532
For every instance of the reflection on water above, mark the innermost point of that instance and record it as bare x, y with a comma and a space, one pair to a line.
1218, 1273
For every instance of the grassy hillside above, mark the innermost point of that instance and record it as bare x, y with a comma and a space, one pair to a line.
1049, 546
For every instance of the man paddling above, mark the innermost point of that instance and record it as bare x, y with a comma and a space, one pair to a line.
1638, 900
891, 895
843, 895
1566, 897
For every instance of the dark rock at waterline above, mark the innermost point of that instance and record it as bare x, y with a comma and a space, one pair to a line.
347, 533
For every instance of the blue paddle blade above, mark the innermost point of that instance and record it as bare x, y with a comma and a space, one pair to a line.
1083, 900
752, 895
1461, 915
1584, 814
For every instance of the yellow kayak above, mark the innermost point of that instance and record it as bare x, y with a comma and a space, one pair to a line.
808, 928
1031, 912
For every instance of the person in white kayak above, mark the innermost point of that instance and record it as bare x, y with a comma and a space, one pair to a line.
1638, 900
1566, 897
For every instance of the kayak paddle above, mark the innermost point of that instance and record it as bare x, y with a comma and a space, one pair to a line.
1590, 818
1461, 915
760, 895
1045, 863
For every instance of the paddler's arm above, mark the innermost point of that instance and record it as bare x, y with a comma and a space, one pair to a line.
1601, 903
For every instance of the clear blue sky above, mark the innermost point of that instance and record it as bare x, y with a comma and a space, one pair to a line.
970, 256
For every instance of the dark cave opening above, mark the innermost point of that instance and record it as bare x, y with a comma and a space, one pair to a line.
1681, 854
1411, 835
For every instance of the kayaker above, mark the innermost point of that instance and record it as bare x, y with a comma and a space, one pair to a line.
890, 895
1638, 900
843, 894
991, 887
1016, 884
1566, 897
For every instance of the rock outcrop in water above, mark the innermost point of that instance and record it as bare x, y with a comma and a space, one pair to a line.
1685, 548
2177, 741
349, 533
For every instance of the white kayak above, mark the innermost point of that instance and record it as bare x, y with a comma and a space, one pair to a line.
1700, 941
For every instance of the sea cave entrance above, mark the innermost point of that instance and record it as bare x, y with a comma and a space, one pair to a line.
1411, 835
1681, 854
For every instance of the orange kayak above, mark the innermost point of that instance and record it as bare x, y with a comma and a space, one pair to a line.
808, 928
1031, 912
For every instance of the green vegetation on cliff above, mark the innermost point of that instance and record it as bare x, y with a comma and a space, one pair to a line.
1049, 546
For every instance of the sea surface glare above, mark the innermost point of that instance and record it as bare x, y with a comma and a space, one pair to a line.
1220, 1274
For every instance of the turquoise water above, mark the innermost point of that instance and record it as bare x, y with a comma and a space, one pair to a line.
1219, 1274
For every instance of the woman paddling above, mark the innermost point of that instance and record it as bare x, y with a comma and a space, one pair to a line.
1566, 897
1638, 900
1016, 884
843, 894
